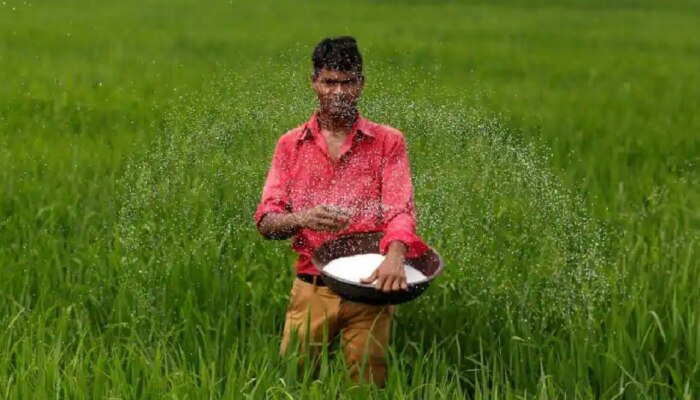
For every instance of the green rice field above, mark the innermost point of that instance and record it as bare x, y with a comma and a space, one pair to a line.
554, 147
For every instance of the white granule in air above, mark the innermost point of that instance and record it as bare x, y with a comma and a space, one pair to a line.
361, 266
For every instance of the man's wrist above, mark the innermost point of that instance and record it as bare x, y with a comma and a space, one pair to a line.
397, 249
297, 220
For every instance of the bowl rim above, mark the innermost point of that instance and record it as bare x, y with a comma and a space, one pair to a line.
409, 284
428, 279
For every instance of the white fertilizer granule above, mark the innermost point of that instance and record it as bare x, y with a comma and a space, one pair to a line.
361, 266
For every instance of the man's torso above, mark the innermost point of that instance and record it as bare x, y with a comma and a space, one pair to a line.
345, 173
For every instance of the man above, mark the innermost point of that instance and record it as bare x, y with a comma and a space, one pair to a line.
336, 174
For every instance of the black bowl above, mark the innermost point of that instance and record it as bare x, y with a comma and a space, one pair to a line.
430, 264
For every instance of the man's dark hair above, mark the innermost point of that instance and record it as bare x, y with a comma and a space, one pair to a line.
338, 54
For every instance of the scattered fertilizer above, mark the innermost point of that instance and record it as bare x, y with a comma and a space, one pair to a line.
357, 267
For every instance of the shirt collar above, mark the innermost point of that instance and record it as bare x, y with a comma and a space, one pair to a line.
310, 128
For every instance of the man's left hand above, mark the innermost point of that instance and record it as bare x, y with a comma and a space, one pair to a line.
390, 275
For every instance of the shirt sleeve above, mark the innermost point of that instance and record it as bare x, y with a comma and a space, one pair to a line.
275, 193
399, 214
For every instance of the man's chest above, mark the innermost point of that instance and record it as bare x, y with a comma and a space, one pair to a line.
315, 176
334, 145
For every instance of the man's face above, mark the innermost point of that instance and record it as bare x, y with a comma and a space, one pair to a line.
338, 91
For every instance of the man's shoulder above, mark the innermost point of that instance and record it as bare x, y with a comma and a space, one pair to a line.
384, 131
290, 137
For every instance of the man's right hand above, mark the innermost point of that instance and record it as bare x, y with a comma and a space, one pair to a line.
324, 218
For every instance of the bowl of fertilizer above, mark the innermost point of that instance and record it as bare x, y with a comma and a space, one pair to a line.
344, 261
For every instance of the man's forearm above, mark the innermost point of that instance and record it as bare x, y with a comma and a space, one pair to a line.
280, 226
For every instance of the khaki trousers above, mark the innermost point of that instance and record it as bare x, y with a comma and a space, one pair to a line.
315, 312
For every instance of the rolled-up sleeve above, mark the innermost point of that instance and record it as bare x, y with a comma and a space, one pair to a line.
398, 207
275, 193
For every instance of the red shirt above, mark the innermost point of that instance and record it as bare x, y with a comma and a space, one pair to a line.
371, 177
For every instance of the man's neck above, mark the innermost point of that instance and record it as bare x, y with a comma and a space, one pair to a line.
337, 124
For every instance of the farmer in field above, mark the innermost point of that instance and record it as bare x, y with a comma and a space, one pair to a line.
340, 173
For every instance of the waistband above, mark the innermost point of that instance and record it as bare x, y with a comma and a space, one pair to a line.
311, 278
